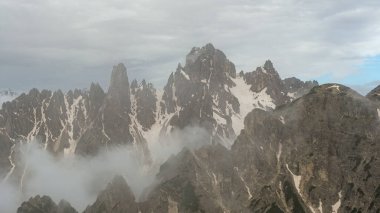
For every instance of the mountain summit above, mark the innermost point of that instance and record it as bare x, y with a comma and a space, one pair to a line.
272, 144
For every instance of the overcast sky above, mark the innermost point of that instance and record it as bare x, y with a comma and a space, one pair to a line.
70, 43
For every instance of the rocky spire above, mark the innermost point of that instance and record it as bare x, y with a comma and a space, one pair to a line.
119, 86
267, 78
200, 88
268, 65
117, 197
112, 123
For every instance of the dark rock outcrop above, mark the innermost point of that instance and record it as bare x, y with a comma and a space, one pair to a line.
146, 105
317, 154
112, 123
117, 197
45, 204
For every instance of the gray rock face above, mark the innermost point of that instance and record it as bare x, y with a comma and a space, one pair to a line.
207, 92
261, 171
317, 154
117, 197
145, 105
54, 119
112, 123
45, 204
80, 121
199, 90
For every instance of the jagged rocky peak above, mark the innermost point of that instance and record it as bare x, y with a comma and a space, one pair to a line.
42, 204
207, 91
198, 51
117, 197
199, 92
119, 89
207, 72
113, 124
209, 65
96, 98
267, 80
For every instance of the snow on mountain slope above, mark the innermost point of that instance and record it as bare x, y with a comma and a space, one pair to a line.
245, 96
263, 100
248, 101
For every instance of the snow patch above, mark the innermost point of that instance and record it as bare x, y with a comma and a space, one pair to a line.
291, 95
185, 75
297, 183
296, 179
334, 87
219, 119
215, 180
336, 206
320, 206
242, 91
245, 183
279, 152
263, 100
72, 112
34, 131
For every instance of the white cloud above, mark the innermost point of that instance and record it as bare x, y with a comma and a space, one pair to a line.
80, 40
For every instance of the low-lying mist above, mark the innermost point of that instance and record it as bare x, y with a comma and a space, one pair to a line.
79, 179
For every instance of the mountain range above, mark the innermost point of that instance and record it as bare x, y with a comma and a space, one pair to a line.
271, 144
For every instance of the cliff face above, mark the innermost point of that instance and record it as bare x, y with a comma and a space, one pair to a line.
112, 122
316, 154
80, 122
273, 145
208, 92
